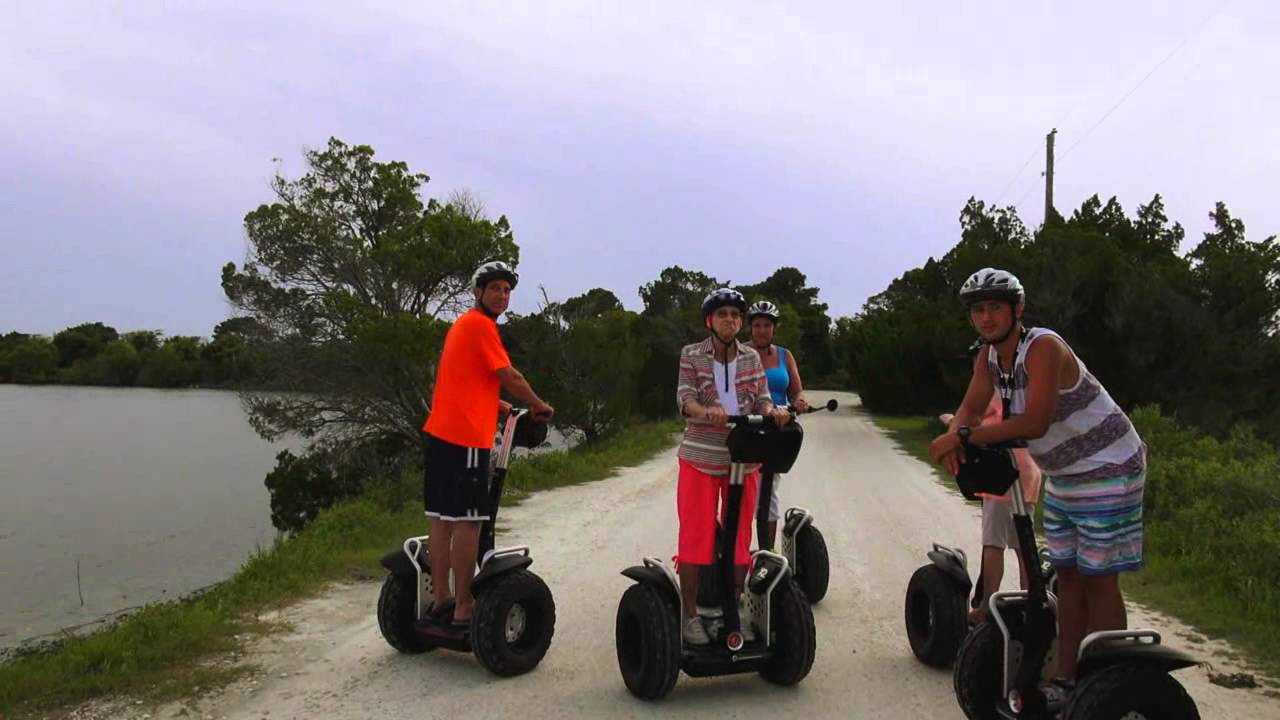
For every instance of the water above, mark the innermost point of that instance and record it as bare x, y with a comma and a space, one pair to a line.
152, 493
113, 498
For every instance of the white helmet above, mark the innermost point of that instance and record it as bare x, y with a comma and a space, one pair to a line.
992, 284
765, 308
494, 270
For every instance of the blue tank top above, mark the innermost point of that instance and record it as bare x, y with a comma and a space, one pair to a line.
779, 379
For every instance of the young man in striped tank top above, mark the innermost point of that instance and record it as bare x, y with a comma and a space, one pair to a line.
1088, 449
718, 377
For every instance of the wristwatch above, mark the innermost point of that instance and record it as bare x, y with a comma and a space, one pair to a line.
963, 432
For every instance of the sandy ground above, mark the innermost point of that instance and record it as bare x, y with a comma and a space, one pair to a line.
878, 508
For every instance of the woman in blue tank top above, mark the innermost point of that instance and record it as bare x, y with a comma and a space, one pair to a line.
785, 387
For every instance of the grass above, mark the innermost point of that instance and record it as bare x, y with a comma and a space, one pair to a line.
913, 433
166, 650
1201, 586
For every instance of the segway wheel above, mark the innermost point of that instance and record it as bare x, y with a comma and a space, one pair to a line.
514, 620
647, 635
815, 566
1123, 691
396, 615
794, 637
936, 617
977, 672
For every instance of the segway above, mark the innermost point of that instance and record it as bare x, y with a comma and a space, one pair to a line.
802, 542
515, 615
780, 645
938, 600
997, 673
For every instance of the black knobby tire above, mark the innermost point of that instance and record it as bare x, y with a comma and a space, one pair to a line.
518, 604
647, 635
814, 570
977, 673
936, 616
397, 611
794, 636
1115, 692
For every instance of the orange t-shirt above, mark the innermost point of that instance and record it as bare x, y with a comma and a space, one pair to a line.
464, 406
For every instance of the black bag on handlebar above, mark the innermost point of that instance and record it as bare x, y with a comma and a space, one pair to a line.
987, 470
529, 433
767, 444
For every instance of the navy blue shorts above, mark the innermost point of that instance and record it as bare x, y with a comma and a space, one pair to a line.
456, 481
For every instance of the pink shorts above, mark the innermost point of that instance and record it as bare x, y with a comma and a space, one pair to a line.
697, 497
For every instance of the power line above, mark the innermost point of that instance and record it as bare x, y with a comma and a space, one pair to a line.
1204, 23
1194, 33
1009, 184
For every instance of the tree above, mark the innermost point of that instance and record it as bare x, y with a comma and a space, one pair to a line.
671, 319
230, 357
121, 363
83, 342
31, 359
144, 341
586, 353
808, 319
1195, 333
352, 279
8, 343
594, 303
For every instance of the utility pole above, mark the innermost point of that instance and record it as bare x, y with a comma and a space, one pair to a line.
1048, 173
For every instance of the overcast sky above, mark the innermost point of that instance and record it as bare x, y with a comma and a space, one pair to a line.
619, 138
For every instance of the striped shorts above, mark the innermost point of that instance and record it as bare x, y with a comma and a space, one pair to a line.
1095, 525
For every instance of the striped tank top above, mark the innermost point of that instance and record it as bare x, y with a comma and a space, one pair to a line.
1090, 437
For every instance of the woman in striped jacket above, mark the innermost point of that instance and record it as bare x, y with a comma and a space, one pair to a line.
719, 377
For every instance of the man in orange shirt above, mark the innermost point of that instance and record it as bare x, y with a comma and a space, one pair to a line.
459, 435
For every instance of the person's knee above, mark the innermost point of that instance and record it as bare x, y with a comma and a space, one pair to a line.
1069, 580
1102, 586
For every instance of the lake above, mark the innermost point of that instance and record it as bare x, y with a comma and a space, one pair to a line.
113, 498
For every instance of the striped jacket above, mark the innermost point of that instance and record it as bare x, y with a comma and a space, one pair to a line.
704, 444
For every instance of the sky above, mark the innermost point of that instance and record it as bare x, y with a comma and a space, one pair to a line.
619, 138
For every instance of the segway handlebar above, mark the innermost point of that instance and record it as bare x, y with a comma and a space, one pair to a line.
831, 406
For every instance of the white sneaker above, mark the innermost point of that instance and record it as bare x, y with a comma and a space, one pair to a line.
709, 611
693, 632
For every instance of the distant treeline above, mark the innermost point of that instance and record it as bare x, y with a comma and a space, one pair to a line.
1194, 332
97, 354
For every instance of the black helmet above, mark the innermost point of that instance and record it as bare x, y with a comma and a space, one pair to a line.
494, 270
724, 296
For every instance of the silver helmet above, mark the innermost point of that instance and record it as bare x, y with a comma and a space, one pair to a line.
494, 270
